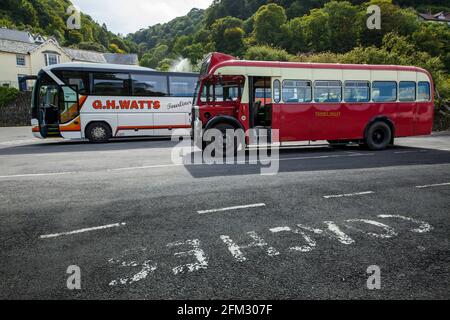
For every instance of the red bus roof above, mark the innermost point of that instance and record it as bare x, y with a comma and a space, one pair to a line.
219, 60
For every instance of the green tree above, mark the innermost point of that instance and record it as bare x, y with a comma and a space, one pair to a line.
317, 30
222, 42
295, 39
269, 20
152, 58
341, 23
393, 19
267, 53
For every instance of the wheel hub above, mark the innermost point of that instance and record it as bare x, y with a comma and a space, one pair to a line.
98, 133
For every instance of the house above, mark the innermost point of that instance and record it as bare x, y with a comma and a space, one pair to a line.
440, 17
24, 54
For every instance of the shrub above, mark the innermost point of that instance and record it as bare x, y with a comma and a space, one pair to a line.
267, 53
7, 95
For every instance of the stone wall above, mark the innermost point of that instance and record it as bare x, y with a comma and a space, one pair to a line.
18, 112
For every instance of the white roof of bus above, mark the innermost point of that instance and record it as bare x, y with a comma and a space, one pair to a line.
84, 65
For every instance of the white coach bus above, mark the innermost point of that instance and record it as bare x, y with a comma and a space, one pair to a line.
101, 101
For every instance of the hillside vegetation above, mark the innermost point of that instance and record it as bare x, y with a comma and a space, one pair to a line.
306, 30
48, 17
287, 30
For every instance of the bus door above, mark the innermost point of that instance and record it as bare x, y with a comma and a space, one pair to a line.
260, 108
47, 107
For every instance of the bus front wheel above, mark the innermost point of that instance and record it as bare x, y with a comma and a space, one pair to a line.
226, 143
379, 136
98, 132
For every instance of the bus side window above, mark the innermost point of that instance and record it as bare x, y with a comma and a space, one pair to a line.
111, 84
277, 91
357, 91
297, 91
424, 91
407, 91
384, 91
79, 79
149, 85
182, 86
327, 91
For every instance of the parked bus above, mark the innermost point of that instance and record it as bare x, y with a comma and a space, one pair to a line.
364, 104
101, 101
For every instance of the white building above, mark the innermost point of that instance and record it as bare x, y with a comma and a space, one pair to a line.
24, 54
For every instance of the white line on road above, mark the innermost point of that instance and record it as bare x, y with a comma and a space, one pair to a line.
147, 167
256, 205
433, 185
36, 175
348, 194
406, 152
178, 165
244, 161
54, 235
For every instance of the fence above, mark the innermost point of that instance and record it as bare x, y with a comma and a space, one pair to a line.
18, 112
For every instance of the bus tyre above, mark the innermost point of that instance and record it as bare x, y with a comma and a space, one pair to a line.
98, 132
224, 145
379, 136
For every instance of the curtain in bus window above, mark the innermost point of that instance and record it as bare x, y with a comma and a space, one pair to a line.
149, 85
384, 91
295, 91
182, 86
424, 91
111, 84
328, 91
357, 91
407, 91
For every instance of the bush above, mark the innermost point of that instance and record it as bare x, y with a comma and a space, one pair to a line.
7, 95
267, 53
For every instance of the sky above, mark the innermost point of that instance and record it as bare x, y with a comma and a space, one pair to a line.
128, 16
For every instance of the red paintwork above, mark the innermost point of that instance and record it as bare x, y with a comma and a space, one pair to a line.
342, 121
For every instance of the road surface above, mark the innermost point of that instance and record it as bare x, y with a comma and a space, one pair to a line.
139, 226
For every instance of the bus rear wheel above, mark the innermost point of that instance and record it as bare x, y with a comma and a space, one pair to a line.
379, 136
98, 132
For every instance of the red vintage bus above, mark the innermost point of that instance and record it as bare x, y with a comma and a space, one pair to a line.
365, 104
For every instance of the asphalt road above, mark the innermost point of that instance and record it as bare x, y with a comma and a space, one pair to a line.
141, 227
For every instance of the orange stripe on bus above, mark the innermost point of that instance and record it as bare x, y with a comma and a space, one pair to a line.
153, 127
74, 126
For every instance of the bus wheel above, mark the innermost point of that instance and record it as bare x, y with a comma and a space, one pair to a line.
98, 132
224, 144
379, 136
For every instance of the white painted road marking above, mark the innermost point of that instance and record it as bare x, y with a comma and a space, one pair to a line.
172, 165
349, 194
148, 167
433, 185
256, 205
406, 152
115, 225
36, 175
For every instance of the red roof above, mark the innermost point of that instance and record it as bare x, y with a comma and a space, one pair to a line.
219, 60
